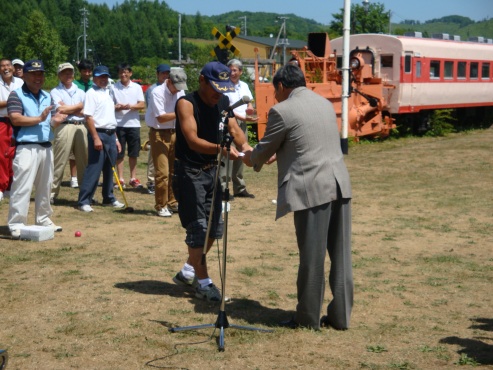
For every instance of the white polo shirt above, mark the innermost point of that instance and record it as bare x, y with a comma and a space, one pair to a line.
71, 96
241, 89
99, 104
131, 94
5, 91
161, 101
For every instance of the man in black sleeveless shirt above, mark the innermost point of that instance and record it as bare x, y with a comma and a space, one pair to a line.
199, 130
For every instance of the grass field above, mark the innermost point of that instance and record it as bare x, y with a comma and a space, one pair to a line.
422, 257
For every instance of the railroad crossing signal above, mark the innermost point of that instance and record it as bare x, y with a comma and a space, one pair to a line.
225, 43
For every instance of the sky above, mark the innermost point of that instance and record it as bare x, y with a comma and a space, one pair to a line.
322, 10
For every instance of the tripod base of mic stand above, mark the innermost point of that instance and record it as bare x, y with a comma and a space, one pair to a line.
221, 324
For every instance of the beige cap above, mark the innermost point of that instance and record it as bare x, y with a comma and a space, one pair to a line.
63, 66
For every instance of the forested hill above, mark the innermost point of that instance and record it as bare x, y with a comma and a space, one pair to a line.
142, 32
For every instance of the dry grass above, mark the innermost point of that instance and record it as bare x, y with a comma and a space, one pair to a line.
423, 266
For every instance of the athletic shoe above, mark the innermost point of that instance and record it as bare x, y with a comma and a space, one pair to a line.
244, 194
74, 183
135, 183
210, 293
151, 189
173, 209
15, 233
86, 208
122, 183
1, 196
179, 279
164, 212
117, 204
55, 228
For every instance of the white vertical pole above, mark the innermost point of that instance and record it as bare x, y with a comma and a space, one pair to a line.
179, 39
345, 76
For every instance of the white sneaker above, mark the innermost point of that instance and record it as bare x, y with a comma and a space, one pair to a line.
86, 208
117, 204
55, 228
1, 196
15, 233
74, 183
164, 212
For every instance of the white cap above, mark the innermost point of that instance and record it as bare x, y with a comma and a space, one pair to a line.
17, 61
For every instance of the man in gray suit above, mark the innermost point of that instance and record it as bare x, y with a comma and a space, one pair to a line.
313, 182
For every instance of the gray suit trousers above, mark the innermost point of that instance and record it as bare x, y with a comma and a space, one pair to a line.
320, 229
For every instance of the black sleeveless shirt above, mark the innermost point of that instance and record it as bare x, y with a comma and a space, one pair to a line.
209, 128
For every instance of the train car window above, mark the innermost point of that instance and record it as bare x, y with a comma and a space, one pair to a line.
485, 70
407, 64
387, 61
449, 69
474, 70
435, 69
418, 69
461, 69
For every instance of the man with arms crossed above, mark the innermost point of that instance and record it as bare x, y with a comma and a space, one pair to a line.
71, 135
199, 118
313, 182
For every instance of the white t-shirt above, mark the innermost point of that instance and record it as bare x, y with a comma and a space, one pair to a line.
130, 94
99, 104
161, 101
241, 89
5, 91
71, 96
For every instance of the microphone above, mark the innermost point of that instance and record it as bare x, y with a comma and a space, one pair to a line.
245, 100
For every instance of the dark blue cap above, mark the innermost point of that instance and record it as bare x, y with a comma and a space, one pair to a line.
34, 65
163, 68
218, 75
100, 71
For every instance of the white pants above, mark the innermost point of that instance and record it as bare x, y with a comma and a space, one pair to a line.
33, 166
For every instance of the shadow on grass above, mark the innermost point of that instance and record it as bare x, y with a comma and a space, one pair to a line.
475, 348
244, 309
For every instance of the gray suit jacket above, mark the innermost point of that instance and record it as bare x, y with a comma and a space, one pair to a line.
303, 132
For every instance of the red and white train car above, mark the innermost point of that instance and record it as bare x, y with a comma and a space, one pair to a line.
427, 73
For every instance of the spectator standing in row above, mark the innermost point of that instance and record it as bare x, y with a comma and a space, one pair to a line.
18, 68
162, 73
161, 119
99, 112
236, 167
71, 135
8, 83
33, 114
85, 68
129, 99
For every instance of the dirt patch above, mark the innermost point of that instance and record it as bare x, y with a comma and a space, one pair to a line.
423, 268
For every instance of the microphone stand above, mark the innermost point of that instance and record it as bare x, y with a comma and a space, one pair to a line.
222, 318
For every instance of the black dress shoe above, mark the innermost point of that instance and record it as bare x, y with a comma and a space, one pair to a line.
290, 324
244, 194
325, 323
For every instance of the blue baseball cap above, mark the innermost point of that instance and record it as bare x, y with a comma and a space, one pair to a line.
218, 75
34, 65
100, 71
163, 68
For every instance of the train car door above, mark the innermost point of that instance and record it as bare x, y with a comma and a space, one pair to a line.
408, 86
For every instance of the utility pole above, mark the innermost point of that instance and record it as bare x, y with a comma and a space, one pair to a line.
179, 39
245, 22
284, 41
85, 24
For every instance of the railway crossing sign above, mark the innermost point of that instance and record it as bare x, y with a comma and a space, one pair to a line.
225, 43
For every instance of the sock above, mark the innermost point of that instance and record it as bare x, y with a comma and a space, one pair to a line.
205, 282
188, 271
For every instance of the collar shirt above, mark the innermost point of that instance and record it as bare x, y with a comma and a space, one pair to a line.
71, 96
99, 104
130, 94
241, 89
161, 101
5, 91
84, 86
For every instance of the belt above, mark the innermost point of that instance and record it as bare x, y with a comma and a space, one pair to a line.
106, 131
203, 167
5, 119
164, 129
44, 144
73, 122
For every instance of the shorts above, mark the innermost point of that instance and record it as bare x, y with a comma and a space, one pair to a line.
193, 189
130, 136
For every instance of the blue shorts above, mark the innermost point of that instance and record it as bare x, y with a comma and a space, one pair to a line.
130, 136
193, 188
